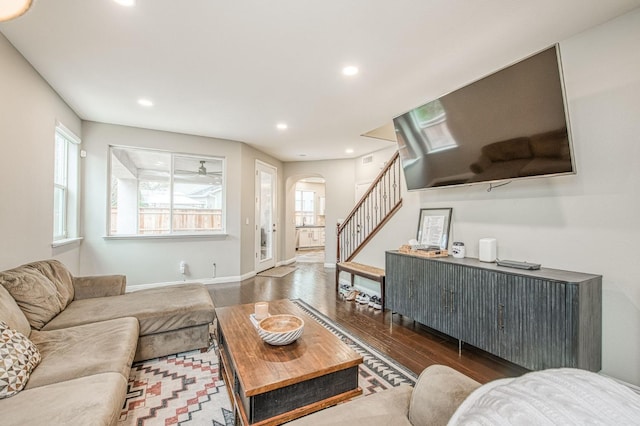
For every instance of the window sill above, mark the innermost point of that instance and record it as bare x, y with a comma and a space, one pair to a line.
220, 236
66, 242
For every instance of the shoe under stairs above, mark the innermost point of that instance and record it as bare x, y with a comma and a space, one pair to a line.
369, 272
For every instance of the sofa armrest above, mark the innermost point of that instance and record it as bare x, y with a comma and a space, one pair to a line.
437, 394
482, 164
99, 286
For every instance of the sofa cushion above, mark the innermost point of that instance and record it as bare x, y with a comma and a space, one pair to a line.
101, 347
388, 407
11, 313
157, 309
512, 149
92, 400
36, 295
173, 341
18, 357
437, 394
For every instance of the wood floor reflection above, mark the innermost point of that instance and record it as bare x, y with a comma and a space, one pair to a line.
411, 344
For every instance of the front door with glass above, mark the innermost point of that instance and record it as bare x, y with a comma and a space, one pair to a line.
265, 215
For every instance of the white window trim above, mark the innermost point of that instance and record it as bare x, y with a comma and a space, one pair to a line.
67, 133
221, 234
305, 213
211, 235
66, 242
71, 213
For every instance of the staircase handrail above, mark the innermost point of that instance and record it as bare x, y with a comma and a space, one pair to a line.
397, 198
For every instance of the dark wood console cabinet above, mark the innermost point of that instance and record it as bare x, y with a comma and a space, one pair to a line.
538, 319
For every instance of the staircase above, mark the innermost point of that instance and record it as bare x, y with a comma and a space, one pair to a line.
371, 213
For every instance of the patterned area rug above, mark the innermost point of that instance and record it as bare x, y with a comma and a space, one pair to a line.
186, 389
182, 389
377, 371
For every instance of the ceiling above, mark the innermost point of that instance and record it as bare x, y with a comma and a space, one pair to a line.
235, 69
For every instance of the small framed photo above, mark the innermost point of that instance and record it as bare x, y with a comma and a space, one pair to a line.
434, 228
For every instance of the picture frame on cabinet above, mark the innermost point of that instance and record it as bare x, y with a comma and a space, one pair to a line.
434, 228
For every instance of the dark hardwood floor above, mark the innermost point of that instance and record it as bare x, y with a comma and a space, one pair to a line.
409, 343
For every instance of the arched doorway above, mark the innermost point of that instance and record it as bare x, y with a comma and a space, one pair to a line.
305, 213
309, 216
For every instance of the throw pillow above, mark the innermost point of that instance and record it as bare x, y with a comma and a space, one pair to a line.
59, 275
18, 357
34, 293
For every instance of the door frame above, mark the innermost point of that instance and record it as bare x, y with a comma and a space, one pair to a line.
261, 265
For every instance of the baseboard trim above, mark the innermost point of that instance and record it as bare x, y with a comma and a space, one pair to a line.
287, 262
205, 281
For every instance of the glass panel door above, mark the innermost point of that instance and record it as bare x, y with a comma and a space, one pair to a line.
265, 216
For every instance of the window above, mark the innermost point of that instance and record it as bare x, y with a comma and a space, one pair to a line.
66, 197
431, 122
305, 207
164, 193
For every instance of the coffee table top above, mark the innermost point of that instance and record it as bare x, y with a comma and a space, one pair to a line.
262, 367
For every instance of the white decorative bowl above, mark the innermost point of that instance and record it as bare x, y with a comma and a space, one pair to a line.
280, 329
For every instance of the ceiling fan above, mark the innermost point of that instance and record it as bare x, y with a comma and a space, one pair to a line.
200, 171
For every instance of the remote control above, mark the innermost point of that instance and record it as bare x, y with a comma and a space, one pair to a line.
516, 264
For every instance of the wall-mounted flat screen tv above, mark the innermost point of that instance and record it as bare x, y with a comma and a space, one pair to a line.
511, 124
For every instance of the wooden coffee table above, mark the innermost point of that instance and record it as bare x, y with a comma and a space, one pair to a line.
270, 385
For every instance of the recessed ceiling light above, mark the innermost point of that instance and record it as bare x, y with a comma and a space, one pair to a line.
13, 9
127, 3
282, 126
145, 102
349, 151
350, 70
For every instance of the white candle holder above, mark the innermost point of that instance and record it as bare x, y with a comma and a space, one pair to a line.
261, 310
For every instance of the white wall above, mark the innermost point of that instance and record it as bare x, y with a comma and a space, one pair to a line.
366, 173
587, 222
29, 109
146, 260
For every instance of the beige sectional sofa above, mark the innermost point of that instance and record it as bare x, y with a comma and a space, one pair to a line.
88, 332
432, 401
444, 396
